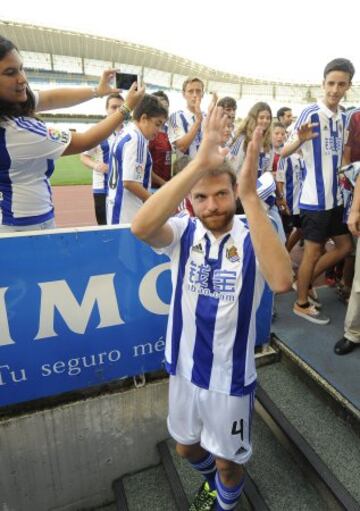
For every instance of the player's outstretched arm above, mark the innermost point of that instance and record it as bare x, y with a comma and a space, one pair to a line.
149, 223
304, 133
274, 260
69, 96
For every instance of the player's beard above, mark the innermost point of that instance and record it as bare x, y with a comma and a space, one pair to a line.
218, 222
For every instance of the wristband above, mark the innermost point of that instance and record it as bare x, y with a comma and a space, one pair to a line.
125, 110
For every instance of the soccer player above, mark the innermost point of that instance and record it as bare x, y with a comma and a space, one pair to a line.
219, 267
130, 162
319, 131
97, 159
185, 126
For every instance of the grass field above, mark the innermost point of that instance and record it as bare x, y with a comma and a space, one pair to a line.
70, 171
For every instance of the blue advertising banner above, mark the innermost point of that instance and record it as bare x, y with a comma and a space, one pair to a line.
80, 308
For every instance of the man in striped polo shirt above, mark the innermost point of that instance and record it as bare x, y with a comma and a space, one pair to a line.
319, 131
219, 267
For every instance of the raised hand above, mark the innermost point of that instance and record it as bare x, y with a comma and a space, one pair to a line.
248, 174
135, 95
211, 154
197, 109
305, 132
105, 87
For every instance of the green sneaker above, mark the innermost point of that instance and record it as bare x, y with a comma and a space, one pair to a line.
205, 499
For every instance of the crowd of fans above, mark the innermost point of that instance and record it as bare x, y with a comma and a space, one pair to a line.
179, 180
306, 171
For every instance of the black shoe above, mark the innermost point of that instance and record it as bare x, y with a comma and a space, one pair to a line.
344, 346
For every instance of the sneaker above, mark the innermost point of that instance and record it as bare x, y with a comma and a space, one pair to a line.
205, 499
313, 297
311, 313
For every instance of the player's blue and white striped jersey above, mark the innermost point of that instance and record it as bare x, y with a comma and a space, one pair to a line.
28, 149
266, 188
236, 156
322, 156
100, 154
290, 171
130, 160
217, 289
180, 123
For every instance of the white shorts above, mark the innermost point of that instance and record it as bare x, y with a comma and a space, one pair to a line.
221, 423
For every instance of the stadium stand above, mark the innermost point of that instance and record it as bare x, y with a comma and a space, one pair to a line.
56, 57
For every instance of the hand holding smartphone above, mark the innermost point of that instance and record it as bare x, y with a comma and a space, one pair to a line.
125, 80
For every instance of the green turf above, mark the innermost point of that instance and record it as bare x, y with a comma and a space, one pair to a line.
70, 171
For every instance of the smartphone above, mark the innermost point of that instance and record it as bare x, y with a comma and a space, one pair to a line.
125, 80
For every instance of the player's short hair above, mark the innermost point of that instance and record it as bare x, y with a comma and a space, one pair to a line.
225, 168
227, 102
114, 95
340, 64
191, 80
278, 124
281, 111
161, 95
151, 107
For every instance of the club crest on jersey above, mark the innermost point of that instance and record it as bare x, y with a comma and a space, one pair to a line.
198, 248
232, 254
58, 135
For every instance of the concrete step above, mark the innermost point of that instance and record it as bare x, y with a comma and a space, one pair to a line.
147, 490
280, 481
332, 438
